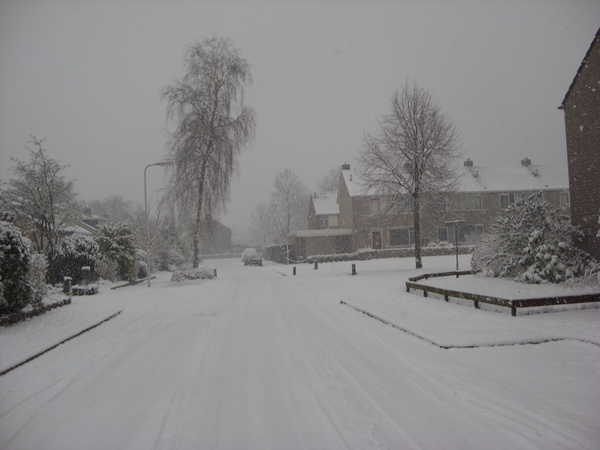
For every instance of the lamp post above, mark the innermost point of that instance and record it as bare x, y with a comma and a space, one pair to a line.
148, 263
455, 224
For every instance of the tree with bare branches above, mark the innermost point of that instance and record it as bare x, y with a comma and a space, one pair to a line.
212, 127
330, 181
411, 159
42, 198
288, 204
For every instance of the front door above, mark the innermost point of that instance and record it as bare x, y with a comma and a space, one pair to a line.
376, 239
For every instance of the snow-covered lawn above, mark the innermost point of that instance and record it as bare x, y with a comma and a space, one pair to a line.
254, 359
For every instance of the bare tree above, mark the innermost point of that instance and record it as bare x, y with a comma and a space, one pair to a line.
412, 156
289, 204
42, 198
261, 224
330, 181
213, 126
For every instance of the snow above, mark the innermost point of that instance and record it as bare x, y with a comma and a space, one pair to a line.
253, 359
326, 203
513, 178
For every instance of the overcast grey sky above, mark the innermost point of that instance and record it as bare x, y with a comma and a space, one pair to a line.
87, 75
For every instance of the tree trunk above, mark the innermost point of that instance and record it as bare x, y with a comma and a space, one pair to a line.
417, 226
198, 224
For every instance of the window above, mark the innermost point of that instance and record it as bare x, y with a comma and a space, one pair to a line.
469, 233
472, 202
443, 234
465, 202
564, 199
506, 200
401, 236
405, 205
374, 204
323, 222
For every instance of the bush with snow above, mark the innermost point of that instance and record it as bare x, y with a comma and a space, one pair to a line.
38, 267
117, 243
191, 274
73, 253
107, 269
531, 243
14, 268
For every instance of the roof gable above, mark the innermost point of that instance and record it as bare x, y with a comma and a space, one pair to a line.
581, 67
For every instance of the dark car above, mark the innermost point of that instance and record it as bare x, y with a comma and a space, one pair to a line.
251, 256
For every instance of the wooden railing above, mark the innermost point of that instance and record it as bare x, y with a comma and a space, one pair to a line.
476, 298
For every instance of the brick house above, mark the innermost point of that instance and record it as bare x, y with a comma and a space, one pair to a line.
482, 194
581, 107
323, 211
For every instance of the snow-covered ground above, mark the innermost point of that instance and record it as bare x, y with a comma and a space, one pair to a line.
261, 359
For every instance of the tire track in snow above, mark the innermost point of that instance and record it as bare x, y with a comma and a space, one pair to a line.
60, 343
448, 347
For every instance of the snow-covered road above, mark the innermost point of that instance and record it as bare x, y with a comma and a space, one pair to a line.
258, 360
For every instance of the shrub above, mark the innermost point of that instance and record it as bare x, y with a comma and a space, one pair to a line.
117, 243
191, 274
89, 289
531, 244
73, 253
107, 269
38, 266
14, 268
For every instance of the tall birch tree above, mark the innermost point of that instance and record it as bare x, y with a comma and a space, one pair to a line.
412, 156
212, 127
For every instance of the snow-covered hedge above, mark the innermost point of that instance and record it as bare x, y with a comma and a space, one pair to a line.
89, 289
73, 253
15, 290
117, 243
192, 274
531, 243
38, 266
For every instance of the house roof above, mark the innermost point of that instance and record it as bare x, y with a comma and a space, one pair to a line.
581, 67
325, 203
355, 184
489, 179
513, 178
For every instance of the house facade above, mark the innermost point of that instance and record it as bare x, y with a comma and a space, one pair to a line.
367, 221
581, 107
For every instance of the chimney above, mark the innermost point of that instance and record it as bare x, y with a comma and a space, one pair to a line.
468, 163
345, 166
526, 162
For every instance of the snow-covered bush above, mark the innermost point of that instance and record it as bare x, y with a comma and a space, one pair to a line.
117, 243
141, 265
107, 269
191, 274
14, 268
73, 253
38, 266
89, 289
531, 243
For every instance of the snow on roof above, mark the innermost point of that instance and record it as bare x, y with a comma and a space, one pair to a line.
489, 179
355, 183
513, 178
325, 203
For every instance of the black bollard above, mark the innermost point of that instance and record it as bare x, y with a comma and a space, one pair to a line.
316, 265
294, 270
215, 273
353, 269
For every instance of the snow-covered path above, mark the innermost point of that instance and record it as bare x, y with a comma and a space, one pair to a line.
257, 360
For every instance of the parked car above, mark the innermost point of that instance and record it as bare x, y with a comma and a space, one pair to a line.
251, 256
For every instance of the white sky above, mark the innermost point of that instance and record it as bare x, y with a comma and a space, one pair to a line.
87, 75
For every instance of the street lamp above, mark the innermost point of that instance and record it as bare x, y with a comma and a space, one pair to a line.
455, 224
148, 263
